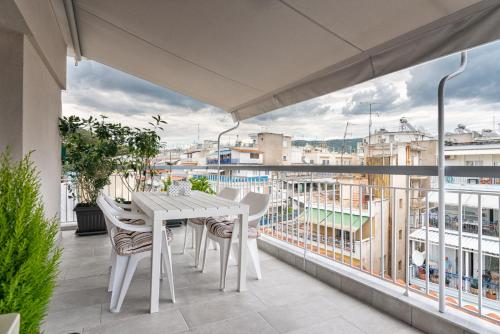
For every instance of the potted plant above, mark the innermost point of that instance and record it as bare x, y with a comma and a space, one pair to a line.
201, 184
135, 164
491, 294
474, 286
421, 273
91, 147
29, 256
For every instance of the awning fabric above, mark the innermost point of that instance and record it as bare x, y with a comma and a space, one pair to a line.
249, 57
319, 215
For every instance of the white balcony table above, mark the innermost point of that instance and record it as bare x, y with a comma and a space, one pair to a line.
159, 207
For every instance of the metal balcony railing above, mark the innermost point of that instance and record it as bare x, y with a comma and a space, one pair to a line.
350, 215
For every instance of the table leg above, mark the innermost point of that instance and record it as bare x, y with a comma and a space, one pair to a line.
155, 266
242, 263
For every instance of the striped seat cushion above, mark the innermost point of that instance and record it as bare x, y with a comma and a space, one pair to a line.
198, 221
131, 242
224, 228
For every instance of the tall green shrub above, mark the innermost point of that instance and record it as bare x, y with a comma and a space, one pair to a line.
28, 255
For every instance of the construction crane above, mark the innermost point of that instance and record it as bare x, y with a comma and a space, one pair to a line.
343, 144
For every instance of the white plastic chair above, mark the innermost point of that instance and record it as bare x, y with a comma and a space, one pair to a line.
198, 227
124, 265
117, 210
258, 205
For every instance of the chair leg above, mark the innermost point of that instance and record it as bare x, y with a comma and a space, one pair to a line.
112, 272
254, 255
199, 234
120, 267
162, 268
167, 258
131, 266
234, 254
225, 248
185, 239
204, 259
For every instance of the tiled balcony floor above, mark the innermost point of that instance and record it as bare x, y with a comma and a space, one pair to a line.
286, 300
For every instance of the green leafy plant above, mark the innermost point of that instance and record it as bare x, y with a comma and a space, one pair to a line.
142, 145
201, 184
28, 255
167, 183
92, 147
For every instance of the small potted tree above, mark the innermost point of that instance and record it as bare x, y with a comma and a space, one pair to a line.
135, 164
28, 252
91, 147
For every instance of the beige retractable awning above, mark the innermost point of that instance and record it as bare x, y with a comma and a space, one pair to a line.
249, 57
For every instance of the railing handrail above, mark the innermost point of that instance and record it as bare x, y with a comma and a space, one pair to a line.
466, 171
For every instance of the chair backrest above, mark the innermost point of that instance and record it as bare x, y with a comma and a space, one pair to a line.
109, 217
258, 205
229, 193
114, 208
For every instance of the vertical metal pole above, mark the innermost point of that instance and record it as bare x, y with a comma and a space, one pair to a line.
334, 221
318, 200
218, 151
341, 223
460, 249
382, 239
351, 241
441, 179
394, 271
427, 243
360, 204
370, 203
480, 254
407, 237
325, 230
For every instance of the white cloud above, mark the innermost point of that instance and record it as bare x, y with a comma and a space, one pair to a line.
472, 98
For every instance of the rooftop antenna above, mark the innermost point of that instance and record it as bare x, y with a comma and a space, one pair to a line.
370, 104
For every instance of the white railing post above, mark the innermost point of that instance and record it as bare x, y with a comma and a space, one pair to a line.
441, 180
407, 236
218, 151
460, 250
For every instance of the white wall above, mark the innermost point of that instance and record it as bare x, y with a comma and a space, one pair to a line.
32, 74
41, 110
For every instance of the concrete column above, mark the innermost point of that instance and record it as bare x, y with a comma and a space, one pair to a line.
30, 104
11, 92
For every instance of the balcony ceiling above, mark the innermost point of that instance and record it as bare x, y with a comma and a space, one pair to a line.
249, 57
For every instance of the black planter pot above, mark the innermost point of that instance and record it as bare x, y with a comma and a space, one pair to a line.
90, 220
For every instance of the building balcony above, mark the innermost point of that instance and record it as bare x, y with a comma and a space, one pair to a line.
310, 231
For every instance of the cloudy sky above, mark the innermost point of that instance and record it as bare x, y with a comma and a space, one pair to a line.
473, 99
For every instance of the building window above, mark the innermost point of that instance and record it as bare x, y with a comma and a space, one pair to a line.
254, 155
400, 203
284, 158
311, 161
400, 265
474, 163
400, 234
326, 162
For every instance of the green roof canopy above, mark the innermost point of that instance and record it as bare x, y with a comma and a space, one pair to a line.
319, 215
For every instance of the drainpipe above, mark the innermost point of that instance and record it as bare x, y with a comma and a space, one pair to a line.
218, 151
441, 176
